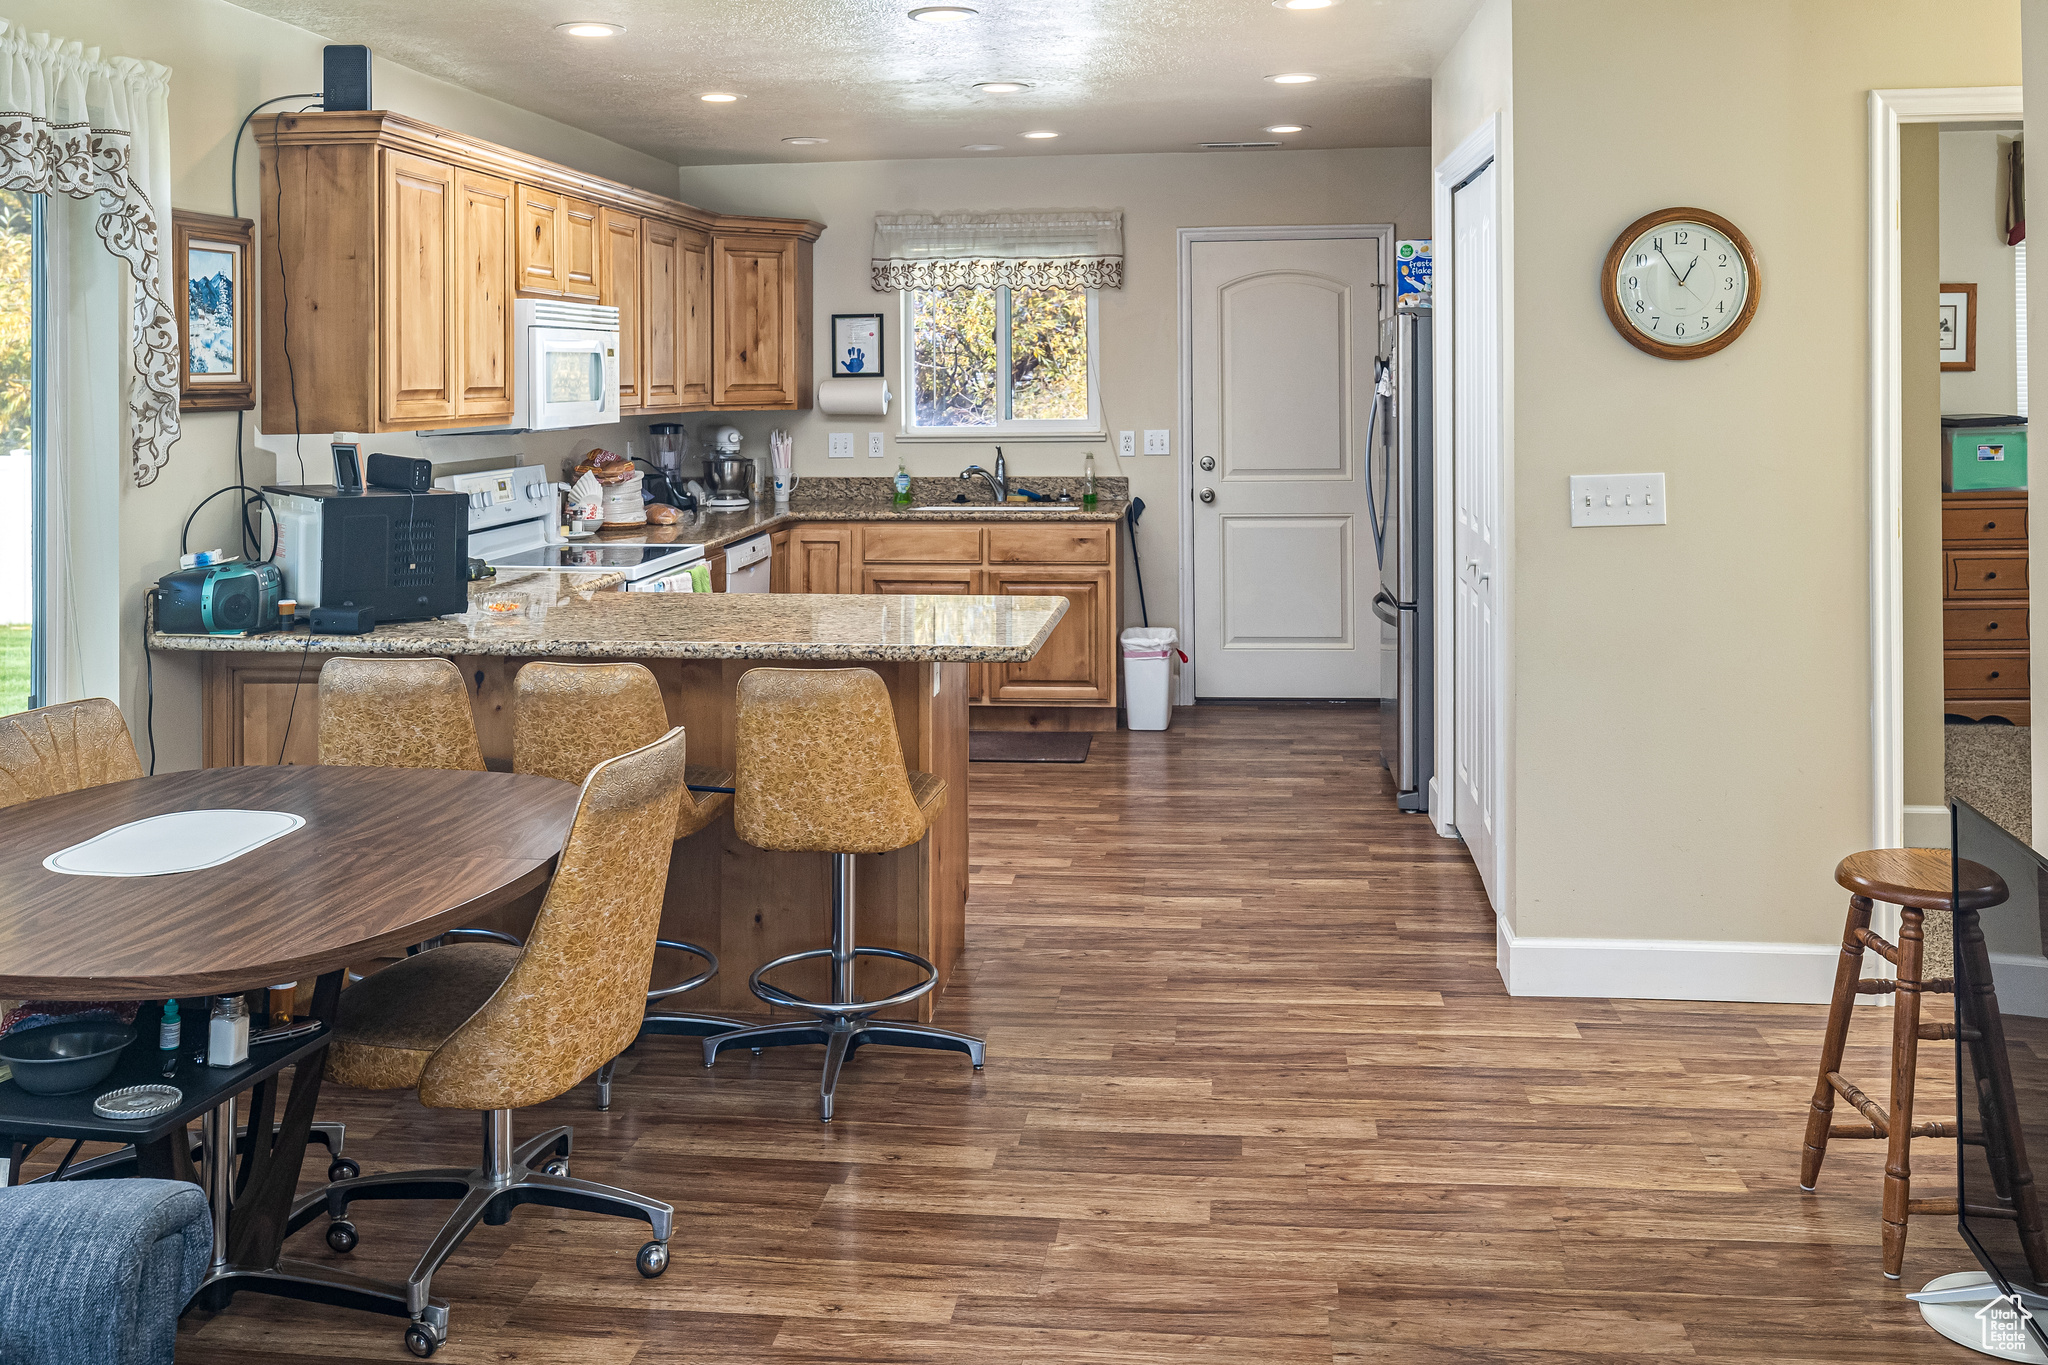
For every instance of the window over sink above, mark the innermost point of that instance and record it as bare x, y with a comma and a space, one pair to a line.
1001, 360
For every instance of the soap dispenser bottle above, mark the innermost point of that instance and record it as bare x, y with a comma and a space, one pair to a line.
902, 483
1088, 480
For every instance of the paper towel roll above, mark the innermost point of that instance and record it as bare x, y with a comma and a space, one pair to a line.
864, 396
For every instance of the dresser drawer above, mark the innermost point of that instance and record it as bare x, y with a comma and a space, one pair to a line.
1984, 627
901, 543
1985, 675
1963, 526
1985, 573
1055, 543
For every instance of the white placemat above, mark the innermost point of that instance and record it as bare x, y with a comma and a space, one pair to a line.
182, 841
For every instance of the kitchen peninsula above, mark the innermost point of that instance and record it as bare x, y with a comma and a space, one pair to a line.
261, 706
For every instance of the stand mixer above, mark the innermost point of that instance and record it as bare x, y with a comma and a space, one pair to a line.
732, 474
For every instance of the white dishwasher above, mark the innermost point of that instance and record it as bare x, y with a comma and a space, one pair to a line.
747, 565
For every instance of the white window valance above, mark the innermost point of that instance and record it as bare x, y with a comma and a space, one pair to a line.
73, 124
1081, 249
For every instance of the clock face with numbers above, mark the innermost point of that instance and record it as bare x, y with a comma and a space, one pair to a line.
1680, 283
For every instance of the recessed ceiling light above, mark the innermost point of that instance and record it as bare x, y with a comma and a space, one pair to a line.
583, 29
942, 14
983, 147
1288, 128
1292, 78
803, 141
1042, 132
1303, 4
718, 97
1001, 87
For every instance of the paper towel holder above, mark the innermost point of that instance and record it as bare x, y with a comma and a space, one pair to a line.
843, 397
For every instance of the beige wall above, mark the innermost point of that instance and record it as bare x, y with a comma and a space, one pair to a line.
223, 60
1692, 701
1922, 219
1137, 324
1474, 81
1973, 251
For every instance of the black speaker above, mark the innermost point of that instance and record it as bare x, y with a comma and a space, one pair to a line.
404, 473
345, 77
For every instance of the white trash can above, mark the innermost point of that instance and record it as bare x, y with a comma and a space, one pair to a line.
1148, 675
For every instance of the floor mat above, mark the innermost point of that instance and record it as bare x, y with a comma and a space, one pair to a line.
1028, 746
1991, 767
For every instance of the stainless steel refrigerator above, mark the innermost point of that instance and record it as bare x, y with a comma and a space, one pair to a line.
1399, 474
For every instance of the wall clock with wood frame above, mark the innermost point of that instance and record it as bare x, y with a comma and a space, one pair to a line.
1680, 283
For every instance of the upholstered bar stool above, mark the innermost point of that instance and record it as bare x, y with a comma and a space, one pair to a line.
1922, 883
821, 770
567, 719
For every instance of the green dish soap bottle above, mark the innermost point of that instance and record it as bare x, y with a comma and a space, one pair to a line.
902, 483
1088, 480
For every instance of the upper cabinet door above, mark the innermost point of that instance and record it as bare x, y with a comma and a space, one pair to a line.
579, 249
483, 294
416, 334
540, 241
661, 298
618, 285
696, 331
763, 335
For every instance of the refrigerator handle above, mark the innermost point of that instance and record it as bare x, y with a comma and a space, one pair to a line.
1386, 608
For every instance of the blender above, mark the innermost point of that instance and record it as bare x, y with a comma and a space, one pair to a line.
732, 474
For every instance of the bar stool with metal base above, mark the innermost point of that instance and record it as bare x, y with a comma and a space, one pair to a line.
1918, 880
821, 770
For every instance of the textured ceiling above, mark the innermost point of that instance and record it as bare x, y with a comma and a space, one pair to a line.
1107, 75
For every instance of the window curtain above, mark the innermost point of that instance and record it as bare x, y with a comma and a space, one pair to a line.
1076, 250
2015, 193
77, 126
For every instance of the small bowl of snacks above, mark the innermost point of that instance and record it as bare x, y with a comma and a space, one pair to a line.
500, 606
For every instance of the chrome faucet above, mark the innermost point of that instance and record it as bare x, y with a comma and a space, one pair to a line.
998, 482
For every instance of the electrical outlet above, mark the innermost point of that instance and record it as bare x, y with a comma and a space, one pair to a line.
1126, 444
874, 445
1618, 500
840, 446
1155, 443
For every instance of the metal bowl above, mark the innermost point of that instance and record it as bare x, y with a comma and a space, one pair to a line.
63, 1059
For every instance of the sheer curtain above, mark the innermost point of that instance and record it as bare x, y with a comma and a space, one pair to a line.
76, 126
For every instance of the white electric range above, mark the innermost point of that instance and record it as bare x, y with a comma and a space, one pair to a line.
512, 526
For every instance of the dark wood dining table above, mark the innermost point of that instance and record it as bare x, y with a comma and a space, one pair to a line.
387, 858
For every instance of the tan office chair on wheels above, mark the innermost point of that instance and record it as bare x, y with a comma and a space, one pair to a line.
568, 718
489, 1027
821, 770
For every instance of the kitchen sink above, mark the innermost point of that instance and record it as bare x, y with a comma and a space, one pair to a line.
1000, 507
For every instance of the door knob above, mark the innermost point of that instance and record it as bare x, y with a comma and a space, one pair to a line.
1208, 462
1207, 495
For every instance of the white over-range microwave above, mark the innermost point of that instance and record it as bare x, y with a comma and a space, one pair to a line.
565, 369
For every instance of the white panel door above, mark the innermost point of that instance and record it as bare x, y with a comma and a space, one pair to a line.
1282, 336
1476, 483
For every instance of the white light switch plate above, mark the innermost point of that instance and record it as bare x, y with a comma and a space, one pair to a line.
874, 445
1127, 444
1155, 442
841, 446
1617, 499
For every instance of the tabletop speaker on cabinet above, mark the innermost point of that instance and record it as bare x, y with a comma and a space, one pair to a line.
345, 71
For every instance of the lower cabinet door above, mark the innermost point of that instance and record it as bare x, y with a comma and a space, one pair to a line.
1078, 662
822, 559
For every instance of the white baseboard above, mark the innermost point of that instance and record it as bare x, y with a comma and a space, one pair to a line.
1927, 827
1670, 969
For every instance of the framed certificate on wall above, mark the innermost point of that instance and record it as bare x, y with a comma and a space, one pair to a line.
1959, 327
856, 344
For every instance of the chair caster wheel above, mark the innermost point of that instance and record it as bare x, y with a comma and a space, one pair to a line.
420, 1341
341, 1235
342, 1168
653, 1259
557, 1167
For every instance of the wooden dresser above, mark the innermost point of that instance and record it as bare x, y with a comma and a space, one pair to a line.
1984, 605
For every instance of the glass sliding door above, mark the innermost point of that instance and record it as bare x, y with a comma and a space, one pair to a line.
22, 638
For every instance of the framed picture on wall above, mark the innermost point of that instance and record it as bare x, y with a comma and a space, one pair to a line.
1959, 327
856, 344
214, 256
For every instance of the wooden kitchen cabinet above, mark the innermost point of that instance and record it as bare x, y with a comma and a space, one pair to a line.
1078, 662
618, 286
822, 559
397, 247
778, 562
762, 337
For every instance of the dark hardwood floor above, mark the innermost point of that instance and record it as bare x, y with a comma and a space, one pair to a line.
1254, 1094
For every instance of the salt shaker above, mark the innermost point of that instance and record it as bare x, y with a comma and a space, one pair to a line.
227, 1032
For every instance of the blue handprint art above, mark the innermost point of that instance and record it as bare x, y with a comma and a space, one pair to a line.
856, 360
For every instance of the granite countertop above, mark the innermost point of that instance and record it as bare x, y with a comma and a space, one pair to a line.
584, 622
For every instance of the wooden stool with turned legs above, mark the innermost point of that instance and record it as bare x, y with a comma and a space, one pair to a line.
1919, 881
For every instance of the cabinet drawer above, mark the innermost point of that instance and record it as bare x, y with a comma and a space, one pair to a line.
1984, 627
1058, 543
900, 543
1960, 526
1985, 573
1985, 675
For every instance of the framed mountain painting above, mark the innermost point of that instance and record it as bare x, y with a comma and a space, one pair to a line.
215, 261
